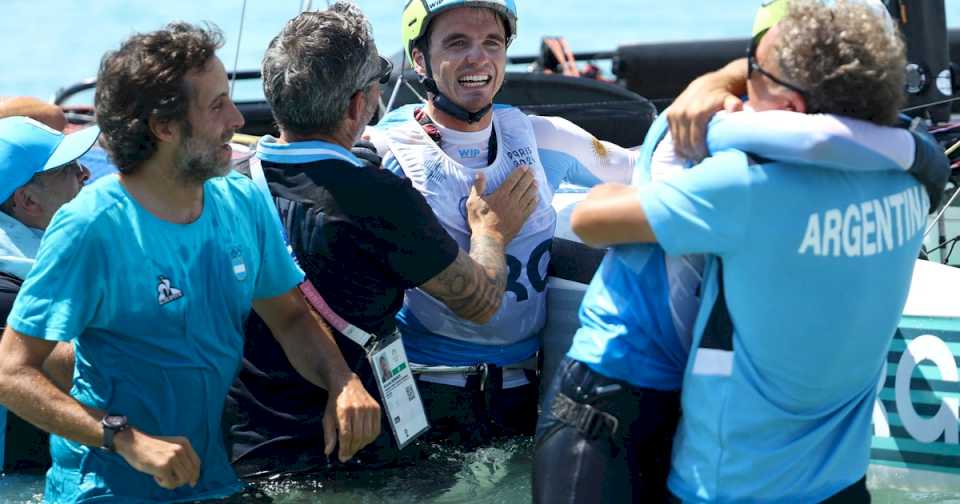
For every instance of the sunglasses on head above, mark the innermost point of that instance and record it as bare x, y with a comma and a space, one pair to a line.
382, 76
754, 66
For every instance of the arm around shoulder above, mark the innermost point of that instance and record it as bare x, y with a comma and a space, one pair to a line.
611, 214
931, 167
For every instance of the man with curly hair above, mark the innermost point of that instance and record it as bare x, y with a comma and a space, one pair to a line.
809, 267
152, 273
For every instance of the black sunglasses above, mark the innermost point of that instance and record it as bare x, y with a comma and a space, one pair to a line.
754, 66
383, 76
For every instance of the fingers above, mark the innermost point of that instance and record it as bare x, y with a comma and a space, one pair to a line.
329, 429
193, 464
163, 481
529, 199
697, 139
732, 104
347, 438
373, 430
516, 178
523, 183
180, 470
479, 184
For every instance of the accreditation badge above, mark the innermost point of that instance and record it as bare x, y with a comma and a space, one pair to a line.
401, 399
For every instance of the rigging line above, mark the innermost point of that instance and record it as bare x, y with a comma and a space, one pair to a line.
941, 212
396, 87
236, 57
953, 148
925, 105
414, 91
944, 245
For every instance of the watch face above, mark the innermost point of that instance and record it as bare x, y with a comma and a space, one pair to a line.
115, 421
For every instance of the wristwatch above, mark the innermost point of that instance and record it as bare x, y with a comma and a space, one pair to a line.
112, 425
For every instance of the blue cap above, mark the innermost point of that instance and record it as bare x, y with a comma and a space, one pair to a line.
28, 147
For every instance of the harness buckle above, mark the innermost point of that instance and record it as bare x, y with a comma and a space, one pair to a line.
484, 372
588, 420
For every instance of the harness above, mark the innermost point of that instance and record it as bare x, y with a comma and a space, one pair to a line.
431, 129
489, 374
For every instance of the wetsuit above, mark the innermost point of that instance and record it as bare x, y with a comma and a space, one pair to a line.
155, 310
626, 362
500, 399
363, 236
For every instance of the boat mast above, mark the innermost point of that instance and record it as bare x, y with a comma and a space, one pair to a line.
236, 57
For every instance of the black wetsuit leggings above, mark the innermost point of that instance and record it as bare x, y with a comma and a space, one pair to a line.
630, 466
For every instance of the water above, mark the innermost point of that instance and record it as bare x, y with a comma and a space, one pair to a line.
53, 43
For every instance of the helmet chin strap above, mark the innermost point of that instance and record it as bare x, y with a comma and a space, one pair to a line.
446, 104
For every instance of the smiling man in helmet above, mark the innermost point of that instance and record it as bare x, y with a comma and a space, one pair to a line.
458, 48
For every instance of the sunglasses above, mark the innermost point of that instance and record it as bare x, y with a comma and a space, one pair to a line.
754, 66
383, 76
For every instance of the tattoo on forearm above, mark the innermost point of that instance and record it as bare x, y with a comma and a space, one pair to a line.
473, 286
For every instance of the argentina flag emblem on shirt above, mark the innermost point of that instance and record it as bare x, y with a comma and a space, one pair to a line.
239, 267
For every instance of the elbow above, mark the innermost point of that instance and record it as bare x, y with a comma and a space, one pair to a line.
585, 226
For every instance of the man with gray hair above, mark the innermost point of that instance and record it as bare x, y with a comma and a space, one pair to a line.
362, 234
810, 268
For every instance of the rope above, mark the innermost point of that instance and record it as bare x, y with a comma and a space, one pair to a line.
236, 58
942, 211
414, 91
396, 87
953, 148
925, 105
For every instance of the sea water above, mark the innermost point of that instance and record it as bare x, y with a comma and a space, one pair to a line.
49, 44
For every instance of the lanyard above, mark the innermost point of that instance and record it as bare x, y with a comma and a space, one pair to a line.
357, 335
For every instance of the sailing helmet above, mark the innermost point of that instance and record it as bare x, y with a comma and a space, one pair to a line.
769, 14
418, 14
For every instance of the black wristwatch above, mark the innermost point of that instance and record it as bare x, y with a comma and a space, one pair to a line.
112, 425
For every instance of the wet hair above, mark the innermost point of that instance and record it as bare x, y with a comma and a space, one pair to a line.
315, 65
849, 57
145, 79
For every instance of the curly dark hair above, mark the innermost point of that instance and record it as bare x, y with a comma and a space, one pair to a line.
849, 57
144, 79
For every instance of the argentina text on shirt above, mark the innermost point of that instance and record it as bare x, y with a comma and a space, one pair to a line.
871, 227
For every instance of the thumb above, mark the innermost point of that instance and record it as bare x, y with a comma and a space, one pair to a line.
329, 431
732, 104
479, 184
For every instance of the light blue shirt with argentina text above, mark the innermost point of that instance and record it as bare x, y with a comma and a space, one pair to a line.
637, 315
809, 274
156, 312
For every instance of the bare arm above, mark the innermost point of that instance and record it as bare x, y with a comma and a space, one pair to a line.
611, 214
312, 350
473, 285
691, 111
39, 110
28, 392
59, 366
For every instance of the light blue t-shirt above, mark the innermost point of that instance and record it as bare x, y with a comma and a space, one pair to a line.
815, 268
626, 326
156, 310
637, 314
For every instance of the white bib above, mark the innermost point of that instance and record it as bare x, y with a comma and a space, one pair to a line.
446, 184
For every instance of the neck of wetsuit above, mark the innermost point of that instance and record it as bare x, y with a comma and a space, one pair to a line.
445, 104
